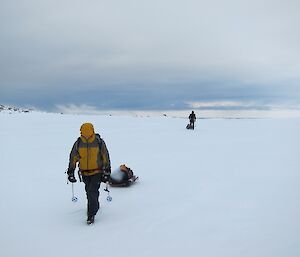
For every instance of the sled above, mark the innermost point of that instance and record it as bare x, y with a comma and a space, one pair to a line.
189, 126
127, 183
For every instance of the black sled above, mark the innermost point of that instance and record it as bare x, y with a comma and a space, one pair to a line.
189, 126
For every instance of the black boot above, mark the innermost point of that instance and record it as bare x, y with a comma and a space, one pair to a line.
90, 219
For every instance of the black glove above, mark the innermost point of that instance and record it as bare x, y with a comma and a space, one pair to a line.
106, 175
71, 176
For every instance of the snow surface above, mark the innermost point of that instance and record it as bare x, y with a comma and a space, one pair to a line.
228, 189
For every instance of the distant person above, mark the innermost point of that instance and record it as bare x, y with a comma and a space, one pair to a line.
94, 166
192, 118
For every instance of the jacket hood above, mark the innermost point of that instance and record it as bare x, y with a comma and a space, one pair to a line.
87, 130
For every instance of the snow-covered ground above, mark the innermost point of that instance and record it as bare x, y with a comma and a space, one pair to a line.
230, 188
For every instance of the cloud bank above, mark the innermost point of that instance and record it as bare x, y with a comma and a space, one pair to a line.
149, 54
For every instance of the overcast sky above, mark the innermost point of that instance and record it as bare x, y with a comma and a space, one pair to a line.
158, 54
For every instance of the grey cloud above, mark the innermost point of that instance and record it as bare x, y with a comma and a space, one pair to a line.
148, 54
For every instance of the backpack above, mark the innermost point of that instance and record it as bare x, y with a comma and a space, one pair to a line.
127, 170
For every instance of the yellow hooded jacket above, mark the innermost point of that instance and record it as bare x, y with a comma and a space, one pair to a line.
90, 152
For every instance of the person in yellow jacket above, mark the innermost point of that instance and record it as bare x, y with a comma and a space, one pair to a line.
91, 153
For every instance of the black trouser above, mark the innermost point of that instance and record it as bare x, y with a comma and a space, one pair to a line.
192, 123
92, 185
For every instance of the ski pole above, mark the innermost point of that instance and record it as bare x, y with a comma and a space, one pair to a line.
108, 198
74, 198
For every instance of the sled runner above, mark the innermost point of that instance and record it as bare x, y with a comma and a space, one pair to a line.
127, 183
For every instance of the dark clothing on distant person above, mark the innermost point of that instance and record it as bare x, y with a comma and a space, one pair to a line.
192, 119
